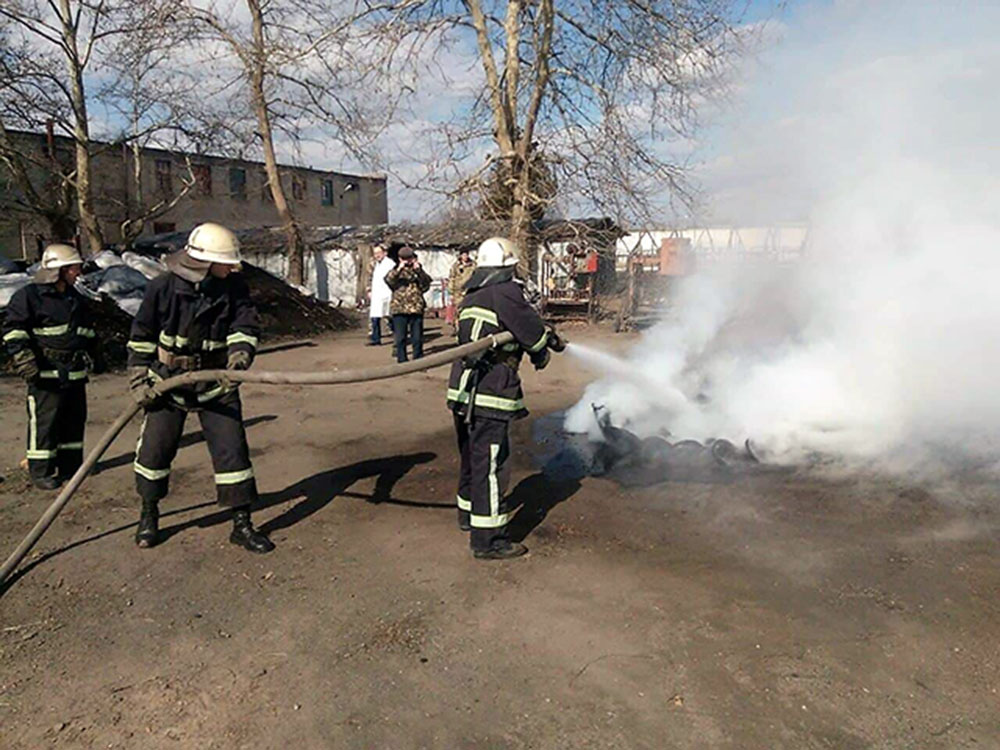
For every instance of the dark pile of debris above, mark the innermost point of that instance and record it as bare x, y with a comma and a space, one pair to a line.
113, 325
285, 311
632, 461
115, 289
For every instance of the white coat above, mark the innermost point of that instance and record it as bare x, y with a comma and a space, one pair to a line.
381, 294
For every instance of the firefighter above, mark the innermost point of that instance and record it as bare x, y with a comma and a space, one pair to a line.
484, 393
50, 335
196, 317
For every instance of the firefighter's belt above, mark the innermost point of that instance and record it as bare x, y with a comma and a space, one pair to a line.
187, 362
64, 357
478, 365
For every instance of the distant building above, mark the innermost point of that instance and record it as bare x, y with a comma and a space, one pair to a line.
676, 252
233, 192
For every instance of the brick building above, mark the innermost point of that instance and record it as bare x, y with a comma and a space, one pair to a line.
233, 192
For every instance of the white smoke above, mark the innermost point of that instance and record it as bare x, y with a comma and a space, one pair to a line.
879, 122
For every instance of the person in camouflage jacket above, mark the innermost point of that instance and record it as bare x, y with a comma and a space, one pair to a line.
408, 282
461, 272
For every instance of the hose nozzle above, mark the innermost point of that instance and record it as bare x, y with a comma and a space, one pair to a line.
556, 342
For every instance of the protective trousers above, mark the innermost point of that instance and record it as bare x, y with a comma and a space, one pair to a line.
222, 424
484, 447
56, 419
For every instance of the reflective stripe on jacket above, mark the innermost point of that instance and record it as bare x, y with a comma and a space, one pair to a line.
57, 327
484, 311
203, 322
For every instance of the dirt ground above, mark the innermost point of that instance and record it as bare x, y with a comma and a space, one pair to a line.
800, 610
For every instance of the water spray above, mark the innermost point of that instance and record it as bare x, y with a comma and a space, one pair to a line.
658, 393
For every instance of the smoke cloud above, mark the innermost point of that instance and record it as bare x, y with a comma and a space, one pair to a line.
878, 123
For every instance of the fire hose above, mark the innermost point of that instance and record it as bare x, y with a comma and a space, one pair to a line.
235, 376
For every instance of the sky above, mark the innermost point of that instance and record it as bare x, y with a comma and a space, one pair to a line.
411, 148
739, 162
407, 148
804, 87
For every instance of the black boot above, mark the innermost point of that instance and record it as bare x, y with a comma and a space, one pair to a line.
47, 483
246, 536
148, 532
464, 520
504, 550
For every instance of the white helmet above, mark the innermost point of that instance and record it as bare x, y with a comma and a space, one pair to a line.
496, 252
213, 243
57, 256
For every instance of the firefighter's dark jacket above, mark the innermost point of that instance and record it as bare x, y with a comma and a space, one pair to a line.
494, 303
201, 323
57, 328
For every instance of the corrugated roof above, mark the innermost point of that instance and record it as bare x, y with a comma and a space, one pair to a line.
453, 235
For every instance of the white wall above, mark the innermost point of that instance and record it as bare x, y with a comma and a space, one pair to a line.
331, 275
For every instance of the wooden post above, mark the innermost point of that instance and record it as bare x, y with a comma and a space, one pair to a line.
590, 297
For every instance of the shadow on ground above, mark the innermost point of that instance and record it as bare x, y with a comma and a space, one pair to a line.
320, 489
316, 492
189, 439
534, 497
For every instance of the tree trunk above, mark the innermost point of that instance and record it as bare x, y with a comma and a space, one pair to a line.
132, 227
364, 260
81, 133
520, 223
259, 101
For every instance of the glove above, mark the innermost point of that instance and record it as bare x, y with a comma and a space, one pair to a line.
140, 386
541, 359
239, 360
25, 365
84, 361
556, 342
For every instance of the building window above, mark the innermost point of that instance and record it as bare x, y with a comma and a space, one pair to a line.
265, 188
162, 227
238, 183
326, 192
202, 178
298, 188
164, 175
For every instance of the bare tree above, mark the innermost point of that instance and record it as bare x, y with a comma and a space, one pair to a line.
599, 90
157, 103
289, 58
62, 33
38, 185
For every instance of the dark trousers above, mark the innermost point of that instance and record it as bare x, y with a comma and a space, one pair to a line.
408, 327
56, 420
484, 475
222, 423
376, 333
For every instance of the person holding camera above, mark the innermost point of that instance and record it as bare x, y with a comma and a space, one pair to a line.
408, 282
